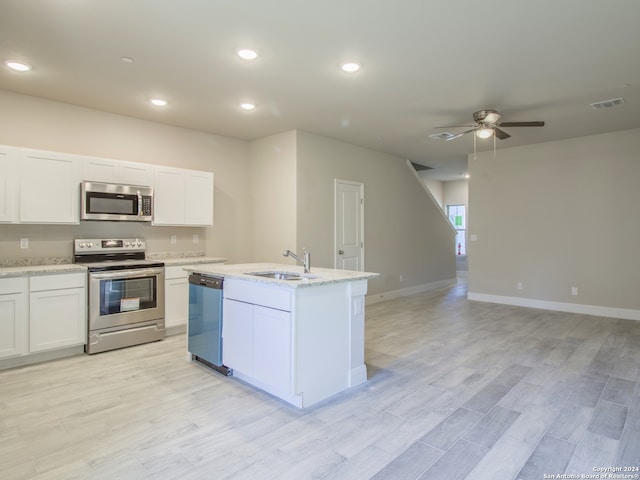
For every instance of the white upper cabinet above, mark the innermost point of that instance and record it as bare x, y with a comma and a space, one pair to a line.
100, 170
8, 183
116, 171
132, 173
38, 186
199, 198
49, 187
182, 197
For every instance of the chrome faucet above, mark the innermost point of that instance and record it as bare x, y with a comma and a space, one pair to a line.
306, 261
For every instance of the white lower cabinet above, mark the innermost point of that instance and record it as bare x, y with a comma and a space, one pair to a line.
176, 297
257, 343
237, 336
300, 344
57, 311
13, 316
272, 348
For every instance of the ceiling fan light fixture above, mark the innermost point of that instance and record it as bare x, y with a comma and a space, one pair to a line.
484, 132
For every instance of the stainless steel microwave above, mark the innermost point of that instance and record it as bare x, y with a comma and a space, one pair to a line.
116, 202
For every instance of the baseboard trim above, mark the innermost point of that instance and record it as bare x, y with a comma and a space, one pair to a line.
403, 292
33, 358
599, 311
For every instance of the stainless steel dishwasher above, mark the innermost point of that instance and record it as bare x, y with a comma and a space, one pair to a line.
205, 321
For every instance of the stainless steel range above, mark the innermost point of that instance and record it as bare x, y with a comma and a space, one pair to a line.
125, 293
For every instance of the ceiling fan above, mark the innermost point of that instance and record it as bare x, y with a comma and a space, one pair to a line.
487, 123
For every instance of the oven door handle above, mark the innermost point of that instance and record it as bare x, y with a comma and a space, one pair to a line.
143, 272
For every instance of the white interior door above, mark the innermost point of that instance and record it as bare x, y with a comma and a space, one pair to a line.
349, 225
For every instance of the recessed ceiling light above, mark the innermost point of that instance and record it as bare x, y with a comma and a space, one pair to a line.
18, 66
127, 59
158, 102
247, 53
350, 67
247, 106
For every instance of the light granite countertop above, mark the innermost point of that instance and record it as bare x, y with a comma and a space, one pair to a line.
56, 265
317, 276
171, 262
23, 270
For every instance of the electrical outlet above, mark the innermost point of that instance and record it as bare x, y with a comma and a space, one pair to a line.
574, 291
24, 243
473, 237
173, 240
196, 238
519, 285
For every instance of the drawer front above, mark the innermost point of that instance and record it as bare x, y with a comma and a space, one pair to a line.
57, 282
272, 296
176, 271
13, 285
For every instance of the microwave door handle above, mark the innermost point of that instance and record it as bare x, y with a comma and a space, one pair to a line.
147, 272
139, 203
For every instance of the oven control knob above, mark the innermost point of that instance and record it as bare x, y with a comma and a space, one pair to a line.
81, 244
127, 244
138, 243
90, 244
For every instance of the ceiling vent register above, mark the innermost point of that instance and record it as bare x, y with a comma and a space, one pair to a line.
614, 102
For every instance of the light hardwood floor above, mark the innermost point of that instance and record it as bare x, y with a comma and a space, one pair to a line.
456, 390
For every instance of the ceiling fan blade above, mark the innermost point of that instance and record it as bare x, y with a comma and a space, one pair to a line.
457, 126
460, 134
501, 134
522, 124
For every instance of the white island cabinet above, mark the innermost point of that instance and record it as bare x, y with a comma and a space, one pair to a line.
301, 340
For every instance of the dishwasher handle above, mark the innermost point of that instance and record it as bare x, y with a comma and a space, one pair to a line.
206, 281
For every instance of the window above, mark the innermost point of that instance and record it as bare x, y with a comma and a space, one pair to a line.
458, 217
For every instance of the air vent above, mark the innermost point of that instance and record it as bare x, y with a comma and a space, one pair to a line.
607, 103
442, 136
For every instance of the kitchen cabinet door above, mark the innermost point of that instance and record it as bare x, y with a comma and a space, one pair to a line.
272, 348
116, 171
169, 196
13, 317
237, 336
199, 199
131, 173
182, 197
176, 296
49, 187
57, 319
100, 170
57, 311
8, 182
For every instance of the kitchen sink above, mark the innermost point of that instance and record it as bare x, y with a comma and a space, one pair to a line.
283, 275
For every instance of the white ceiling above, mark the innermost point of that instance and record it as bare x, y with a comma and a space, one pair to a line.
424, 64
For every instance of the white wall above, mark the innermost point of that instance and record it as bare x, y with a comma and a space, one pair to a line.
405, 232
36, 123
558, 215
273, 188
270, 194
456, 192
436, 187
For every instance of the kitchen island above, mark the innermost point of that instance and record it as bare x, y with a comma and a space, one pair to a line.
298, 336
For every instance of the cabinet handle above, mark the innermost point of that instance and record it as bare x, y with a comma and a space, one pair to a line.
340, 252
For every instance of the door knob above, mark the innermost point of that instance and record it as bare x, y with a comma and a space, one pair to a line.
340, 252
